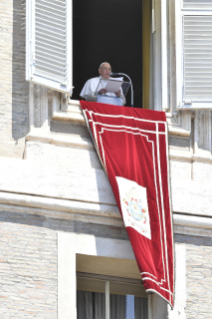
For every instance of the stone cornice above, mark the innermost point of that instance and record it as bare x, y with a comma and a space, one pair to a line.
93, 213
73, 114
60, 140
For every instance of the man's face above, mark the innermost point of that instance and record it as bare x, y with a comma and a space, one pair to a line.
105, 71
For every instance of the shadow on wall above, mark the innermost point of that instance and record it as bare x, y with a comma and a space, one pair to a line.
73, 226
20, 109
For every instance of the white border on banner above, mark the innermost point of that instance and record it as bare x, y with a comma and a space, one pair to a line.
159, 173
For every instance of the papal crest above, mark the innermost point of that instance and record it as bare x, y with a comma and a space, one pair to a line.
134, 206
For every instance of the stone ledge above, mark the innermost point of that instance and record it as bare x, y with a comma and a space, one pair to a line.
178, 155
62, 215
73, 113
93, 213
56, 181
91, 185
177, 131
76, 141
191, 197
72, 117
59, 139
74, 105
188, 156
55, 204
192, 225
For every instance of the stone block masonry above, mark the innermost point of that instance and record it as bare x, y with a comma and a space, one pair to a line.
198, 276
199, 282
13, 87
28, 272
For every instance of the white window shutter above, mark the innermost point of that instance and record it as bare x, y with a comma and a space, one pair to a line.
194, 53
197, 4
49, 44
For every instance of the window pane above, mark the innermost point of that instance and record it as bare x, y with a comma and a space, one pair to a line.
128, 300
90, 305
128, 307
141, 308
117, 306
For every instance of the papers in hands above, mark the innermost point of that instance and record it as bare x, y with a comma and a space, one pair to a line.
114, 85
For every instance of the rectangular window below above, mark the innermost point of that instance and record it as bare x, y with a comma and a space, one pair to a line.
127, 300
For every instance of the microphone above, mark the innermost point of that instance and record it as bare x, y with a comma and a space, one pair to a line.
115, 73
130, 84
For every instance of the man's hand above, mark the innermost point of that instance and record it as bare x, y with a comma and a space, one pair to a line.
102, 91
118, 93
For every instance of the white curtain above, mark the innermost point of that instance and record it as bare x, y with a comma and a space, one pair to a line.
117, 307
91, 305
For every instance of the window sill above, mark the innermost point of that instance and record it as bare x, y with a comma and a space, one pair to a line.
73, 114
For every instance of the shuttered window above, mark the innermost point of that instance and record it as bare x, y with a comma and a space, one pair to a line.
48, 43
197, 4
194, 53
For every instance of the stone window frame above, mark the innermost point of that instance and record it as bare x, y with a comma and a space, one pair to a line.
71, 244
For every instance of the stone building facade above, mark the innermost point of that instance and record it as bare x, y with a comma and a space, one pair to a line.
58, 216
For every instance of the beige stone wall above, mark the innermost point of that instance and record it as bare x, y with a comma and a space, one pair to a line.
13, 87
198, 255
199, 281
28, 271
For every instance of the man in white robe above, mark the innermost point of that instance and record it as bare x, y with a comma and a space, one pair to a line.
90, 87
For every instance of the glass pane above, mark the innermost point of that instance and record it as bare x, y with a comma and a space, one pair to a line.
117, 306
90, 305
141, 308
128, 307
127, 300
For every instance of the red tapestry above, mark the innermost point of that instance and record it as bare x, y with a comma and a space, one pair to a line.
133, 148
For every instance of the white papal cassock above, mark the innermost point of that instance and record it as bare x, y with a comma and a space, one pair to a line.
90, 87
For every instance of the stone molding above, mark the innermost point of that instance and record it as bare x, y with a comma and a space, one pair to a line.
60, 140
73, 114
94, 213
76, 141
72, 117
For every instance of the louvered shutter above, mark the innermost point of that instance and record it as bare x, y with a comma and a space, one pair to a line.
49, 43
194, 53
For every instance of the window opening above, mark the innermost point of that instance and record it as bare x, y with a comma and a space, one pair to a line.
114, 298
108, 30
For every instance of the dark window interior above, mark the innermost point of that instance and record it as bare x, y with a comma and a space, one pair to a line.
111, 31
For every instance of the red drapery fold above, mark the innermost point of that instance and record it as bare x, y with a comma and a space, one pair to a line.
133, 148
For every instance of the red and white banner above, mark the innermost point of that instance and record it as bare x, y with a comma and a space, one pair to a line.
133, 148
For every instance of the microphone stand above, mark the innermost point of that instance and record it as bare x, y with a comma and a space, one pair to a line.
132, 97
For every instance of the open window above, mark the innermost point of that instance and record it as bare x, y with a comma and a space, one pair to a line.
49, 32
117, 32
194, 53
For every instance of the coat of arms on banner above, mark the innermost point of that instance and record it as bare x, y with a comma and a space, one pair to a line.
134, 206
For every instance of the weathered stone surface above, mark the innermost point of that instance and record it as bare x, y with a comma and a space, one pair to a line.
199, 281
13, 87
28, 271
191, 197
75, 225
91, 185
63, 178
55, 181
62, 156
